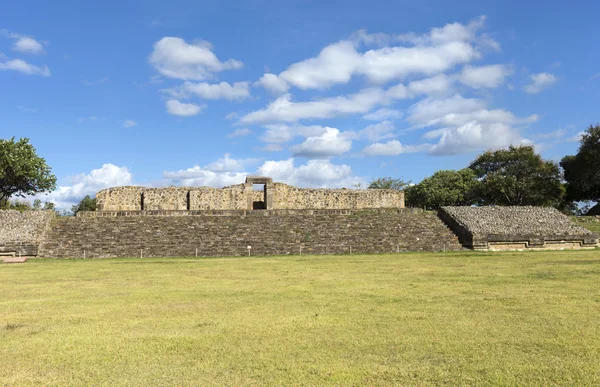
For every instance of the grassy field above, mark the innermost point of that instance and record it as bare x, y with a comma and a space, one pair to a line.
428, 319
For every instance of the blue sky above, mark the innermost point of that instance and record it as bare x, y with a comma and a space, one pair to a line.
312, 93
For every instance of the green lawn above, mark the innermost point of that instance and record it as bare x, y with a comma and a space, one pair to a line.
411, 319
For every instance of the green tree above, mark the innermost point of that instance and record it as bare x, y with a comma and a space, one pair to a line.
388, 183
582, 171
517, 176
37, 205
22, 171
49, 206
86, 204
444, 188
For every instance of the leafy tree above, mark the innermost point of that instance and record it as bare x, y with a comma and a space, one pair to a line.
388, 183
49, 206
37, 205
22, 171
86, 204
444, 188
582, 171
517, 176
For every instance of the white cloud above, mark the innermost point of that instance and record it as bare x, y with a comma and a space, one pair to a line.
378, 131
199, 176
539, 82
23, 43
392, 148
29, 45
431, 54
577, 137
240, 133
175, 58
437, 85
315, 173
431, 110
281, 133
24, 67
228, 164
223, 90
129, 123
109, 175
177, 108
284, 110
383, 114
474, 136
330, 143
273, 83
490, 76
271, 148
466, 125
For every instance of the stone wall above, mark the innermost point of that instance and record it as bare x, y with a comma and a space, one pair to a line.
242, 196
22, 232
289, 197
511, 228
228, 233
120, 198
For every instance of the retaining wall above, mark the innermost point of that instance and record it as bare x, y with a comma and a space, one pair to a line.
22, 232
229, 233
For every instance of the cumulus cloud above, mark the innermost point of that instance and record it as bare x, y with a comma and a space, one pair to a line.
129, 123
392, 148
540, 82
474, 136
432, 53
465, 125
383, 114
320, 173
173, 57
109, 175
330, 143
284, 110
437, 85
229, 164
484, 76
273, 83
431, 110
315, 173
29, 45
24, 43
378, 131
24, 67
177, 108
223, 90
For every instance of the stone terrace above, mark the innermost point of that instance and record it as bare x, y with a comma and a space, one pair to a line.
514, 227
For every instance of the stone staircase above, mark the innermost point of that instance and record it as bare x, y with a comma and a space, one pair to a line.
230, 234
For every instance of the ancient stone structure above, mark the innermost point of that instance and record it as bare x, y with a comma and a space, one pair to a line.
273, 196
230, 232
22, 232
516, 228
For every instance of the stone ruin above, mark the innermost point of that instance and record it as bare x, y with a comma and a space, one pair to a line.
277, 219
516, 228
271, 196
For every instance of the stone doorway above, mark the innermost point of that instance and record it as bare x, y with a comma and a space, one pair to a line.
260, 195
